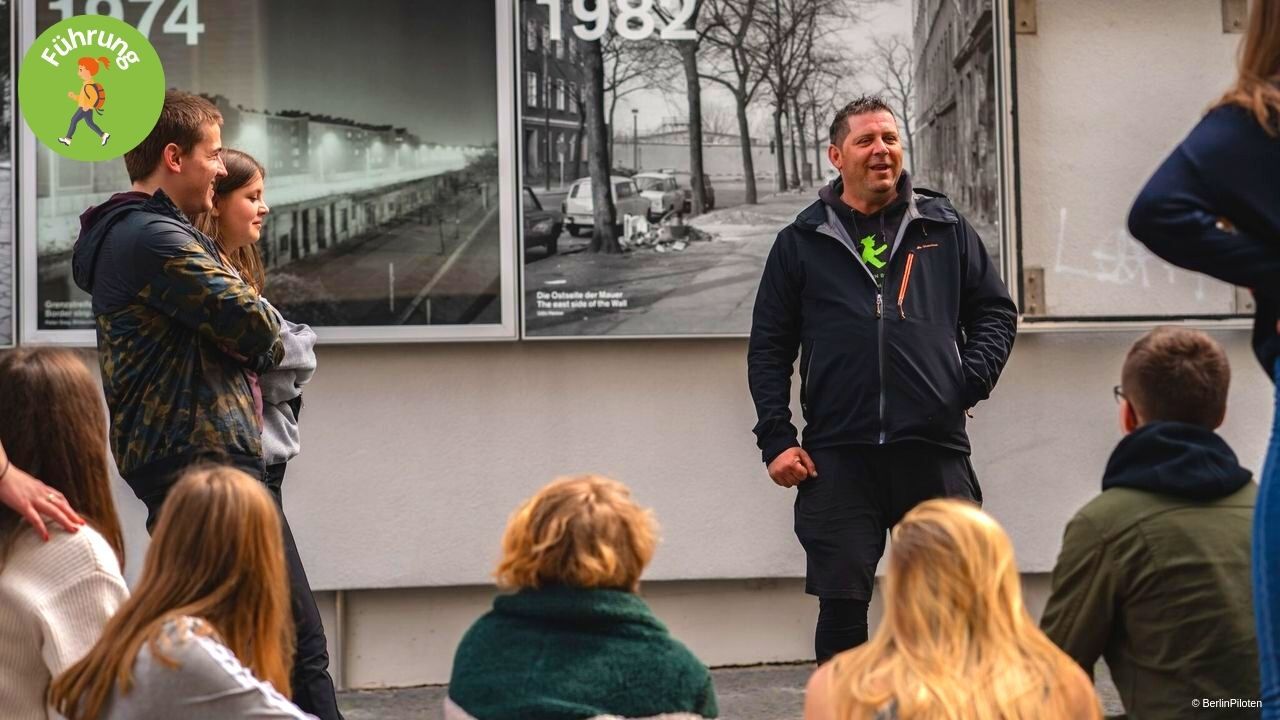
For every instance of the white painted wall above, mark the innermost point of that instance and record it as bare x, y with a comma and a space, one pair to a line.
1105, 91
415, 455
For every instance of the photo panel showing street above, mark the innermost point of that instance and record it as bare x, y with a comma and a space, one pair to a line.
645, 98
377, 124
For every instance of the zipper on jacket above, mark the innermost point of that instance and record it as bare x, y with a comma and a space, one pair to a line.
880, 342
906, 281
807, 387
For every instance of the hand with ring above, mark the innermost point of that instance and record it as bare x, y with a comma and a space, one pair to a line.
34, 500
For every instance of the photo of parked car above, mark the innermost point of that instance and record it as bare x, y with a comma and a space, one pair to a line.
577, 206
684, 180
662, 192
541, 227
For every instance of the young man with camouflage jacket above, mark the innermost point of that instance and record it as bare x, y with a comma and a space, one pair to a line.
176, 330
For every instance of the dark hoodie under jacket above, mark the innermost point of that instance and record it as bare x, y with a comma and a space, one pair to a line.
170, 321
1154, 574
877, 365
1228, 167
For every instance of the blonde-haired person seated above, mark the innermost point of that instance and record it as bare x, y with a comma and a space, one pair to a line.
207, 633
955, 641
575, 640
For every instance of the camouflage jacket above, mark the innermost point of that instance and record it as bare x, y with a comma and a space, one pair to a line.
175, 330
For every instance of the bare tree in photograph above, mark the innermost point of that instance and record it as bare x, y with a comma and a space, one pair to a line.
630, 66
688, 51
825, 90
579, 100
718, 119
789, 30
895, 71
734, 36
793, 29
603, 237
825, 93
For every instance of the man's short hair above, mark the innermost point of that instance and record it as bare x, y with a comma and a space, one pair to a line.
861, 106
1177, 374
182, 121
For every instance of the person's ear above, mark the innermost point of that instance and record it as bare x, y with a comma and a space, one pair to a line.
171, 158
1129, 420
833, 156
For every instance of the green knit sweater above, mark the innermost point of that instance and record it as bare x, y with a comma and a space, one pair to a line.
565, 653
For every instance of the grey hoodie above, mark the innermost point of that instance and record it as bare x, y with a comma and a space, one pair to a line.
281, 386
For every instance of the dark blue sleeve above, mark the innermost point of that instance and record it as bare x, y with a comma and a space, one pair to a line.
772, 349
1214, 205
988, 316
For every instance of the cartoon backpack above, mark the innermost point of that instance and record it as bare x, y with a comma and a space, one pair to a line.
102, 97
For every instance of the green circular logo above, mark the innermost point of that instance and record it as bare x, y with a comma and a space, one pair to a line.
91, 87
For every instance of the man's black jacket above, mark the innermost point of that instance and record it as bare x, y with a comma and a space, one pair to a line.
877, 365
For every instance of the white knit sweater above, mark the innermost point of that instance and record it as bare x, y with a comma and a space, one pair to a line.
55, 598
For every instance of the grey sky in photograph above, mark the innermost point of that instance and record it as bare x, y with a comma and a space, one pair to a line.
428, 65
892, 17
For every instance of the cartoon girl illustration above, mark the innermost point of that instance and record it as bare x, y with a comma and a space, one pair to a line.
90, 98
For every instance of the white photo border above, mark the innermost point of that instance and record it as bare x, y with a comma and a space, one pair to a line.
24, 188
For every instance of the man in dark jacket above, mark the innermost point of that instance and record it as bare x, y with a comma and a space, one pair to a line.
177, 328
1154, 572
902, 324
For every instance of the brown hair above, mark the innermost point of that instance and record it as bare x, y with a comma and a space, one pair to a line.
182, 121
1177, 374
582, 531
242, 168
956, 639
1257, 87
866, 104
54, 427
217, 554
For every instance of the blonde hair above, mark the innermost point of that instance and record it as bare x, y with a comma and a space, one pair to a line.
582, 531
217, 554
1257, 87
956, 641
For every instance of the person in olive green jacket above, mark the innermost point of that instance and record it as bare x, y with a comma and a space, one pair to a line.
1154, 572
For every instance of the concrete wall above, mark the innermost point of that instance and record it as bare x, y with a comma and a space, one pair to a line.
415, 455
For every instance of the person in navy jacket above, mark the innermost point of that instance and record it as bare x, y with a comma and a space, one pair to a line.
902, 324
1214, 207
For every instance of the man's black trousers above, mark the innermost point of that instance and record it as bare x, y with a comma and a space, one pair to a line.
842, 517
313, 689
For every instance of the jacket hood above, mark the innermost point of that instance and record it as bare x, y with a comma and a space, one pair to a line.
1178, 459
922, 203
94, 224
832, 191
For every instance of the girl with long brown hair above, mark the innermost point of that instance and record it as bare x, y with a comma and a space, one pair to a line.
956, 642
55, 597
1214, 207
235, 223
207, 632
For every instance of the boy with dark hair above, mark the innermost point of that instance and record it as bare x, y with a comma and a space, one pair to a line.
176, 330
1154, 572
